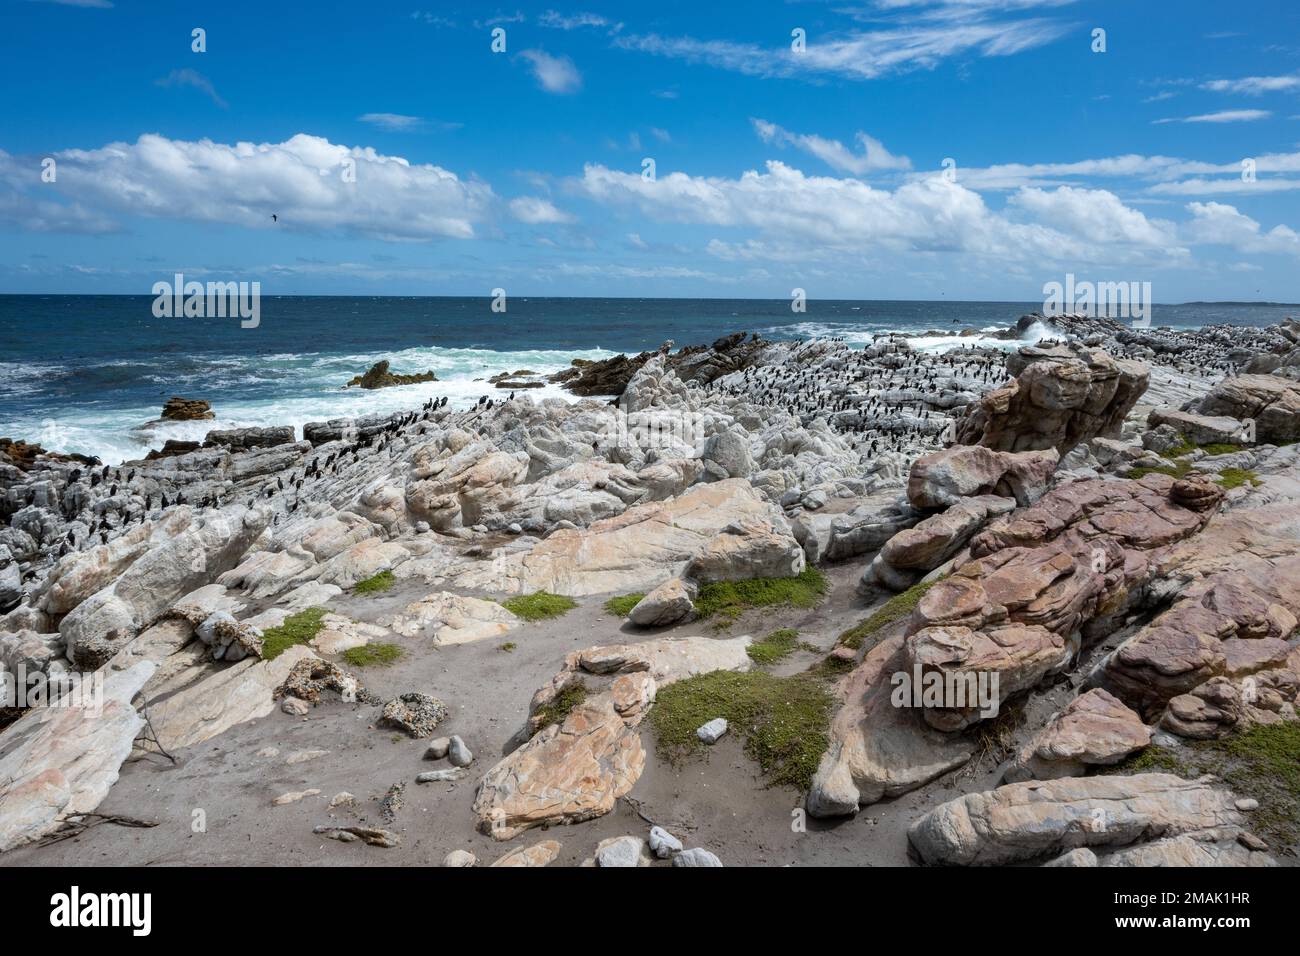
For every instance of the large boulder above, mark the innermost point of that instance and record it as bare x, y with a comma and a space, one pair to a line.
944, 478
1061, 396
1273, 402
1198, 429
1023, 821
1095, 730
577, 768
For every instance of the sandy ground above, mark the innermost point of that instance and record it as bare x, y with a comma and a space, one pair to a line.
718, 801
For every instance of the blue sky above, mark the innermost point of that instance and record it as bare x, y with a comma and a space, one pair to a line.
774, 168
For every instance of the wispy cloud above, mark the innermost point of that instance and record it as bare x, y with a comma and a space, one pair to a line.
576, 21
1254, 85
1223, 116
832, 152
555, 74
399, 122
97, 4
192, 78
915, 34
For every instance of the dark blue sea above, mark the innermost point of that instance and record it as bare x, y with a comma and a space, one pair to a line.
84, 373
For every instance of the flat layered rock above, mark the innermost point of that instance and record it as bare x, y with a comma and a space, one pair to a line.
878, 750
1042, 578
219, 697
1023, 821
641, 548
1233, 618
57, 762
451, 619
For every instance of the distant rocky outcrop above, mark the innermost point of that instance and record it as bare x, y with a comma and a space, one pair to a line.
379, 376
22, 455
698, 363
177, 409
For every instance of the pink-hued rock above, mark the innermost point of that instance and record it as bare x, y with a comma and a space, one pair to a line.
1042, 578
1095, 730
1062, 396
946, 477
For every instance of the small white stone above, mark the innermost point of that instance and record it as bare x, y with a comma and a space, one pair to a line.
295, 707
663, 843
713, 731
696, 857
459, 754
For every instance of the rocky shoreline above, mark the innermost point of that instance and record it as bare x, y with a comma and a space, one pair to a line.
1099, 529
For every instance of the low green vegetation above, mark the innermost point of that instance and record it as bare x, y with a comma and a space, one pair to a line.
776, 646
1221, 448
539, 605
784, 721
508, 646
561, 705
728, 599
895, 609
372, 655
1236, 477
622, 605
375, 585
295, 629
1262, 762
1178, 469
1228, 477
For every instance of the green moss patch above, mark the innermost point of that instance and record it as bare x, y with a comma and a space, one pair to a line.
622, 605
373, 655
1236, 477
784, 720
561, 705
728, 599
539, 605
1230, 477
1262, 762
895, 609
377, 584
776, 646
1178, 469
295, 629
1221, 448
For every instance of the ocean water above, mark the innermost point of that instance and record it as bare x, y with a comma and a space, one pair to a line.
86, 373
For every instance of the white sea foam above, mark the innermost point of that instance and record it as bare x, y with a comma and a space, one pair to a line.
297, 389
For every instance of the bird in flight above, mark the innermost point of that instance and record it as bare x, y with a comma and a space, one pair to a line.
274, 217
